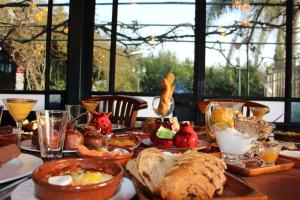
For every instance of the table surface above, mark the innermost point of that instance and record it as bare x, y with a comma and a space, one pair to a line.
277, 186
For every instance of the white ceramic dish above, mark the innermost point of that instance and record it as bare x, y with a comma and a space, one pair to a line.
19, 167
28, 146
26, 191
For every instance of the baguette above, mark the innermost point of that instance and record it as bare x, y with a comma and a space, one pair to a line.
168, 88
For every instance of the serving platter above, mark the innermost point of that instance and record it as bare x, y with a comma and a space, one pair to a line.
255, 170
291, 155
235, 188
28, 146
202, 144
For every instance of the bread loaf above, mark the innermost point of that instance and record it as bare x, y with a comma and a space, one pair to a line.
190, 175
168, 89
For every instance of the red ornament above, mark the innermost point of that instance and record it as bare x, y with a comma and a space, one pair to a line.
186, 136
101, 122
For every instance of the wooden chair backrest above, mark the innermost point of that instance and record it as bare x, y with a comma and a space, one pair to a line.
247, 104
124, 108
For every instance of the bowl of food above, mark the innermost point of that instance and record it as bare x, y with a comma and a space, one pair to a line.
77, 178
127, 141
106, 153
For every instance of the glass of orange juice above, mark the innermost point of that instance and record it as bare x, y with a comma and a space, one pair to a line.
90, 106
19, 109
259, 111
270, 154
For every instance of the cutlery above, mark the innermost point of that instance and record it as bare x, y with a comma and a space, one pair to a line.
5, 191
76, 118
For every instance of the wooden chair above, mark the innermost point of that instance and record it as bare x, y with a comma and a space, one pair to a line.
247, 104
124, 108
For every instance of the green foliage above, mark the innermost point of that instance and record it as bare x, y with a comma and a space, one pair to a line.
224, 82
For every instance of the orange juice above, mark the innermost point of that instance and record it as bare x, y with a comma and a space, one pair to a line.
259, 111
270, 156
19, 108
90, 106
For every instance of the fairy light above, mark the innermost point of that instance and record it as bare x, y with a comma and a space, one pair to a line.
245, 23
152, 40
236, 3
32, 5
245, 6
66, 30
133, 3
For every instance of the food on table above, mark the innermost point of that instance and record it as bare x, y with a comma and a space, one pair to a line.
233, 142
73, 139
8, 153
223, 115
254, 125
93, 138
186, 136
19, 108
149, 125
121, 142
101, 122
101, 151
182, 176
30, 125
77, 177
175, 126
168, 88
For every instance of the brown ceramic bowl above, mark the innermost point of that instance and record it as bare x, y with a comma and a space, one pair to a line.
120, 159
104, 190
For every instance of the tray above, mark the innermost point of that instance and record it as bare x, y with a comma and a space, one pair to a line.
235, 188
296, 160
287, 136
280, 165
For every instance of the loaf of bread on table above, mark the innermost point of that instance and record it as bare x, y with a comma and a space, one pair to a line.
168, 88
190, 175
8, 153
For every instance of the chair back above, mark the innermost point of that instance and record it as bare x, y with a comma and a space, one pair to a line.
247, 104
124, 108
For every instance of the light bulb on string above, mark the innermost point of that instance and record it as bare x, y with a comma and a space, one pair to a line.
245, 23
32, 5
245, 7
236, 3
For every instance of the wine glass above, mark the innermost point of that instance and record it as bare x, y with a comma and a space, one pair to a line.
19, 109
162, 109
90, 107
259, 111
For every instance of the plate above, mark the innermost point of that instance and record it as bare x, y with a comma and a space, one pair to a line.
117, 127
131, 137
19, 167
291, 155
28, 146
26, 191
201, 145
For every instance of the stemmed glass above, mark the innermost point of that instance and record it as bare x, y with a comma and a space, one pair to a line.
90, 106
162, 113
19, 109
259, 111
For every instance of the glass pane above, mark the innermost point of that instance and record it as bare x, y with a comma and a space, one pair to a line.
102, 37
295, 112
245, 54
296, 55
59, 44
148, 46
23, 51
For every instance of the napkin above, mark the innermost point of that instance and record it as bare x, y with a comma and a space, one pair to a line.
8, 152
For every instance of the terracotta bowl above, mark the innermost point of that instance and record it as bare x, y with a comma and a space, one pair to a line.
122, 159
104, 190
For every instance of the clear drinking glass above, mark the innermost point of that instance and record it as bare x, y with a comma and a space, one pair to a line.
19, 109
1, 111
166, 110
73, 111
52, 126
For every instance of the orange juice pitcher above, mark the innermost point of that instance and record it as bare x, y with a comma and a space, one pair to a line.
221, 114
